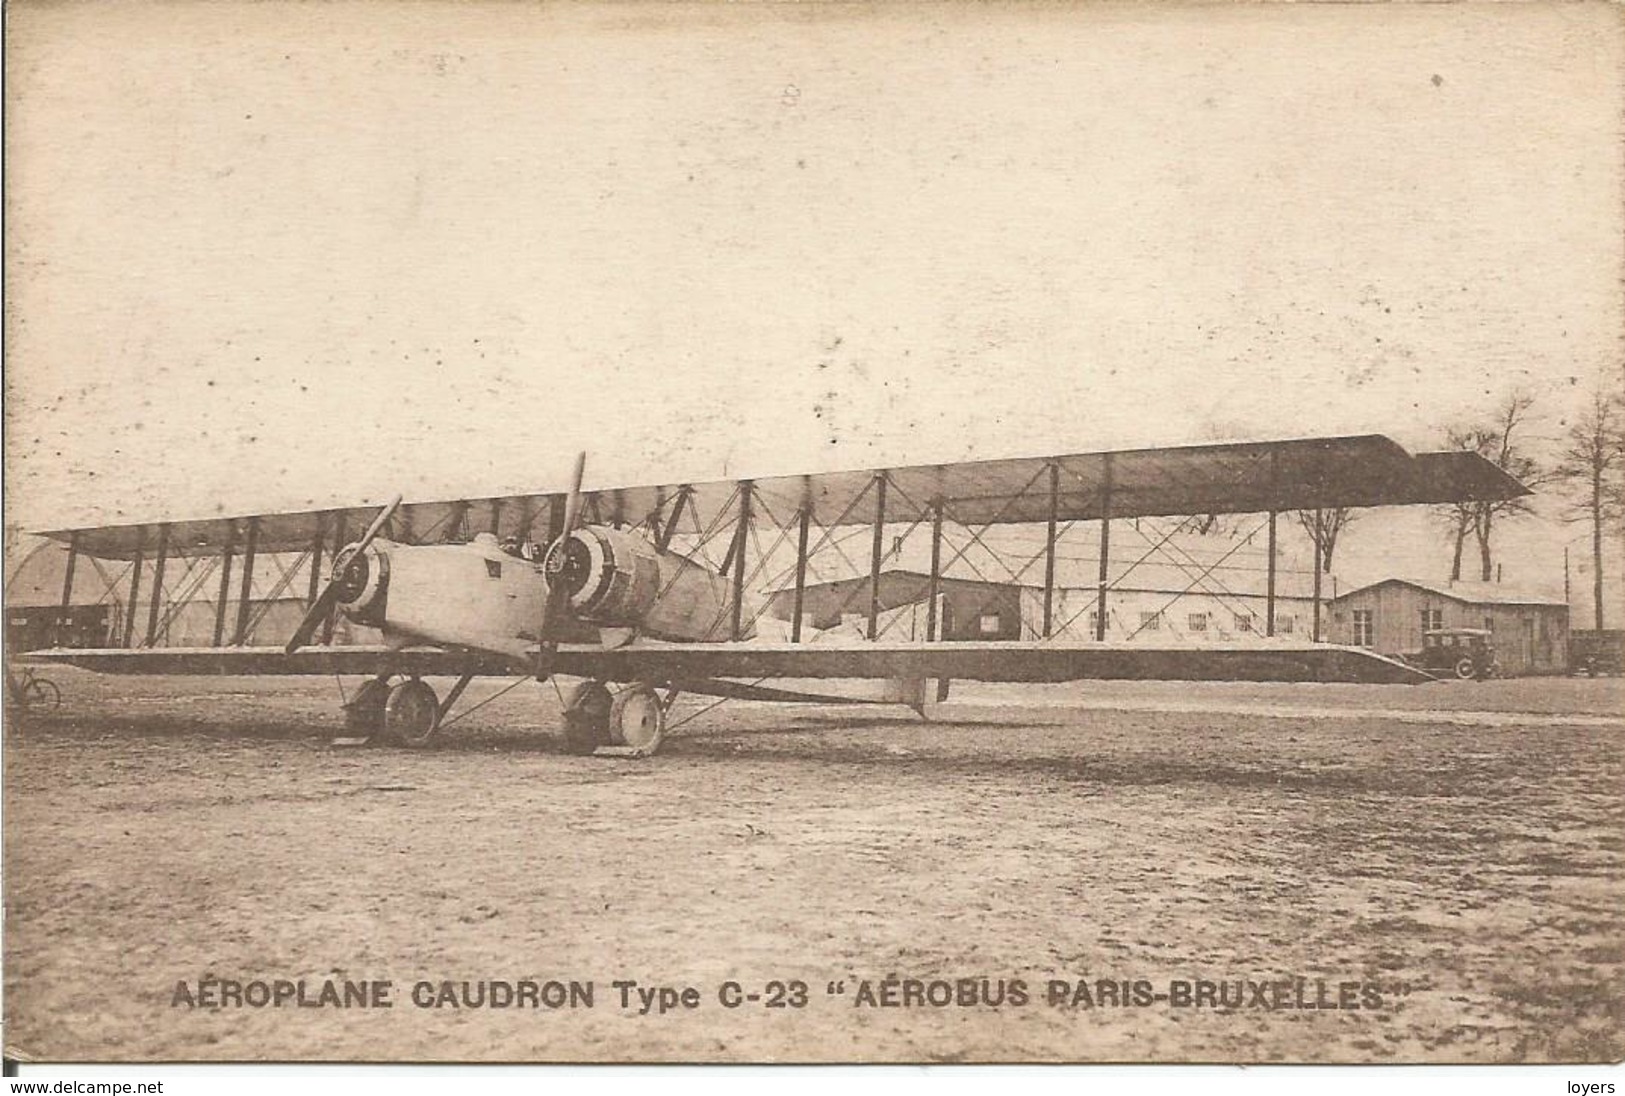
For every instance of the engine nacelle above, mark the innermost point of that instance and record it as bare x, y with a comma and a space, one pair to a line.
363, 584
617, 579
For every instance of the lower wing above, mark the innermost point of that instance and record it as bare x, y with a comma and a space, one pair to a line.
1010, 661
692, 664
257, 661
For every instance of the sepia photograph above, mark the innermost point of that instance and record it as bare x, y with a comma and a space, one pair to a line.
814, 533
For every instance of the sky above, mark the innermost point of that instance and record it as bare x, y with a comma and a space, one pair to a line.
282, 255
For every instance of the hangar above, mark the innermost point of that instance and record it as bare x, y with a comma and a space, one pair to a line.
1389, 616
1183, 588
89, 605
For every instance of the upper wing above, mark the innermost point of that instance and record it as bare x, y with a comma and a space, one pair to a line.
1368, 470
696, 663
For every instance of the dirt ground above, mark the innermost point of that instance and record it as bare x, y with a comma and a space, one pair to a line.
1468, 874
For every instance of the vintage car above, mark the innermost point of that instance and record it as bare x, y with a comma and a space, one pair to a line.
1467, 653
1592, 652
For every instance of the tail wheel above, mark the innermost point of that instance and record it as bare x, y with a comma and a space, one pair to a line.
638, 719
1466, 669
412, 714
586, 717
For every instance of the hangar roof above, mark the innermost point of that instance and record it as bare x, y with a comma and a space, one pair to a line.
1471, 593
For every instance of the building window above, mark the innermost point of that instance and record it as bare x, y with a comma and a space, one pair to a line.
1197, 622
1285, 625
1094, 623
1244, 622
991, 625
1150, 622
1489, 624
1364, 628
1432, 620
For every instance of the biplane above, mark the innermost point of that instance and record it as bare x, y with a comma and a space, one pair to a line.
619, 589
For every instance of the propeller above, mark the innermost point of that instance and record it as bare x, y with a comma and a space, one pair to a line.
558, 593
331, 593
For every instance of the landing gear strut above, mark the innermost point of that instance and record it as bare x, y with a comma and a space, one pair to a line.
586, 717
364, 714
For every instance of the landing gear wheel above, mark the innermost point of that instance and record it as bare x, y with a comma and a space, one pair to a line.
637, 719
364, 714
1465, 668
412, 714
586, 717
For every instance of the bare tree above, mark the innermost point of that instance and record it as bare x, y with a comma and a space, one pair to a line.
1592, 463
1324, 527
1498, 439
1209, 525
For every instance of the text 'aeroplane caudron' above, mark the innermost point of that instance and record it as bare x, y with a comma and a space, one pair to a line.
629, 599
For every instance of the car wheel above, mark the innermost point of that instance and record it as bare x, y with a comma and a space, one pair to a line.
1465, 669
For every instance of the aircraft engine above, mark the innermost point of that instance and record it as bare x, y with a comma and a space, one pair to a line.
618, 579
362, 583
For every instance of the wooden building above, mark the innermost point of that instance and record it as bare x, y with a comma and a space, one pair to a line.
1531, 629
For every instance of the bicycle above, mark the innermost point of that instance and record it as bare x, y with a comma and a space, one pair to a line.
29, 690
